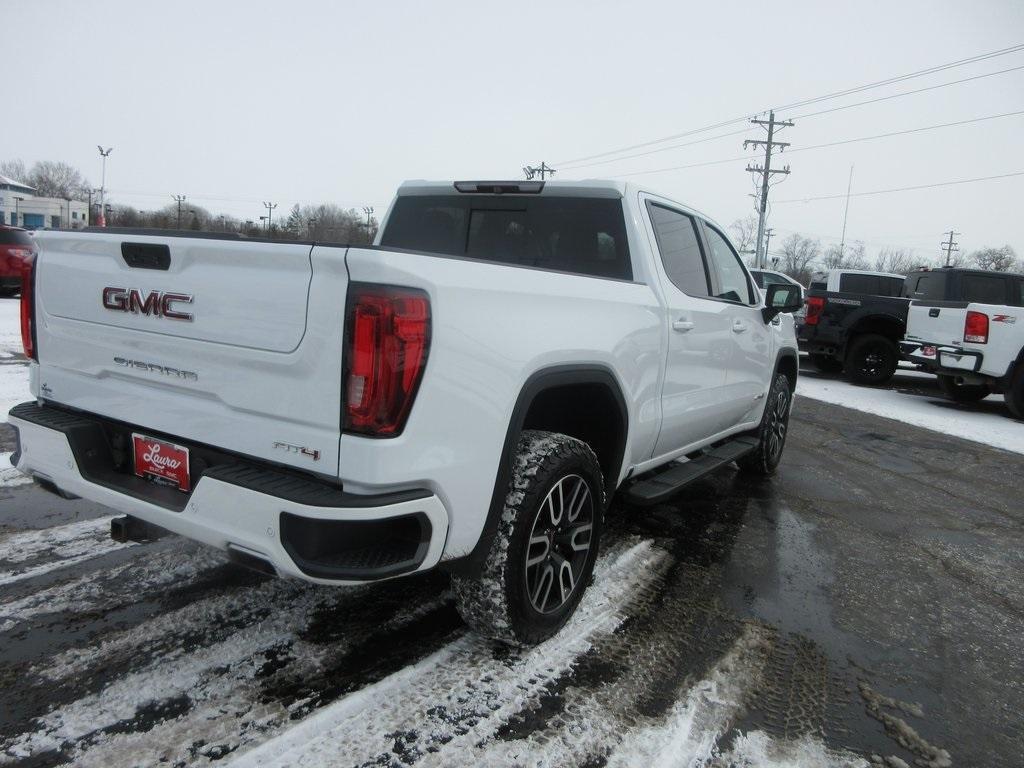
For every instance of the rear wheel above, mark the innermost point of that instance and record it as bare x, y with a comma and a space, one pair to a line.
826, 364
871, 359
771, 435
963, 393
1015, 394
543, 553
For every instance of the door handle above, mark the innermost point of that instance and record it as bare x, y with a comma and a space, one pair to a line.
738, 326
682, 326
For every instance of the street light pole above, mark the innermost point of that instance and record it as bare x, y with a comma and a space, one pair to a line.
104, 153
17, 200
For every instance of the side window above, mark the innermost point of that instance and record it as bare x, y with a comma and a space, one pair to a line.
891, 286
984, 289
854, 283
680, 249
734, 285
760, 278
1019, 294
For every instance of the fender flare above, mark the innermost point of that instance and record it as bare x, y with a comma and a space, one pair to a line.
540, 381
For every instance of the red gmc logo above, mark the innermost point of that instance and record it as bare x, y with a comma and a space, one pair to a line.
154, 303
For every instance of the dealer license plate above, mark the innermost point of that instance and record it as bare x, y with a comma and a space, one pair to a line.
162, 462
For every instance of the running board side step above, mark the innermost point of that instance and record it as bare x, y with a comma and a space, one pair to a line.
676, 476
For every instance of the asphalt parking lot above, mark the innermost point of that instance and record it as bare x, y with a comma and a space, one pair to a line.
864, 602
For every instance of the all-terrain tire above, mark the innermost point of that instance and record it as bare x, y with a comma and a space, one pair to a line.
963, 393
1014, 396
771, 434
826, 364
871, 359
501, 601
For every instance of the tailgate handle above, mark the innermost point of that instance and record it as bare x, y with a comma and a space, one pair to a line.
147, 255
933, 312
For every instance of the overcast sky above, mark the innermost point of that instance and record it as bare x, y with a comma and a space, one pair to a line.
232, 103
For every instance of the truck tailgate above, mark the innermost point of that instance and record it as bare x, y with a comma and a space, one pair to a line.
247, 359
937, 322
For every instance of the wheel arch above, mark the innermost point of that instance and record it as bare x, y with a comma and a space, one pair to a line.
560, 398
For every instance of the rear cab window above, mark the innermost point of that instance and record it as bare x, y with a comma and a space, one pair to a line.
580, 235
926, 286
983, 289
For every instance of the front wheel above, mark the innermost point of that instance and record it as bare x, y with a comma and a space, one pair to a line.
771, 435
871, 359
963, 393
542, 556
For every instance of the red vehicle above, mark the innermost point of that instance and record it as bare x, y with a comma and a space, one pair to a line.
16, 251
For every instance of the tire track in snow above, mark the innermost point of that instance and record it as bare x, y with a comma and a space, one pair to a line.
213, 668
58, 547
438, 710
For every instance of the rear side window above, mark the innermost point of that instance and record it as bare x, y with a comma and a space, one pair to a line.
984, 289
873, 285
732, 278
586, 236
15, 237
680, 250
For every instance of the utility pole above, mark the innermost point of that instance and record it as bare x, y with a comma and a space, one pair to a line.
542, 170
104, 153
951, 246
767, 239
179, 199
270, 213
766, 172
842, 242
368, 210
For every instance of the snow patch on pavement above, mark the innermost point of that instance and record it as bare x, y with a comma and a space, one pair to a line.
57, 547
935, 413
759, 750
461, 694
13, 369
9, 475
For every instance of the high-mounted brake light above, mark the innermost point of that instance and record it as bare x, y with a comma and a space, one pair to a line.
815, 306
28, 306
388, 332
976, 328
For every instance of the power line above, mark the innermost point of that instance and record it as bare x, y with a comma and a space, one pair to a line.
901, 189
805, 102
854, 140
802, 117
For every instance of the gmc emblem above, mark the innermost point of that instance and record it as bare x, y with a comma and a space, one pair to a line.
155, 303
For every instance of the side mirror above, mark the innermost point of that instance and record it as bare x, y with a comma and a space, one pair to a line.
781, 298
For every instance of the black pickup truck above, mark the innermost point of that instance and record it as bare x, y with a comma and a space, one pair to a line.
856, 327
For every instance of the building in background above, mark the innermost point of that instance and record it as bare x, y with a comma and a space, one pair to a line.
20, 207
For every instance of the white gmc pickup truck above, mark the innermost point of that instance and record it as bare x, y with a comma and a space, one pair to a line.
467, 393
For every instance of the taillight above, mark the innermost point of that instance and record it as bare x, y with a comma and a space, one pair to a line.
388, 336
815, 306
976, 328
28, 306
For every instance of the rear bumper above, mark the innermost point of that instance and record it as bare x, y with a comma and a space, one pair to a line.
301, 527
945, 359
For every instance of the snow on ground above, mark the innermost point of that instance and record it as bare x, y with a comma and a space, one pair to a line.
999, 429
13, 372
9, 476
37, 552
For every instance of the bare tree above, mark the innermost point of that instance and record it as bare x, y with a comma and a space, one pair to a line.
744, 234
14, 169
896, 260
996, 259
798, 253
57, 179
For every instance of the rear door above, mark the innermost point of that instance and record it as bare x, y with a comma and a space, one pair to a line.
750, 341
698, 331
232, 343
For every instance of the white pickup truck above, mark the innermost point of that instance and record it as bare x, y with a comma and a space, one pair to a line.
466, 394
976, 348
